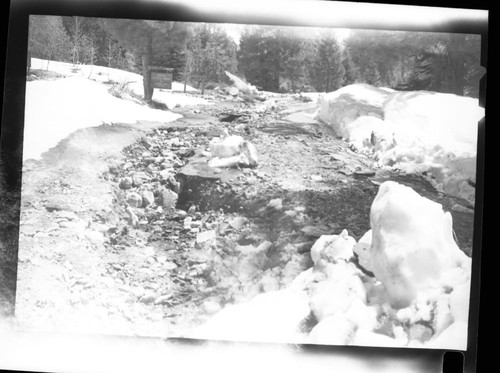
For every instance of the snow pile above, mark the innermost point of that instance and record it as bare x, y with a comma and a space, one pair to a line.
407, 285
342, 107
412, 245
415, 132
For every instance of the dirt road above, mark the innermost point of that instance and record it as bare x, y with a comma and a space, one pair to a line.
88, 264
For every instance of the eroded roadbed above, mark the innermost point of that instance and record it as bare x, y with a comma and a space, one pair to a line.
119, 237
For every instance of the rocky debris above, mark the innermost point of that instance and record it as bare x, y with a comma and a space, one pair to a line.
57, 204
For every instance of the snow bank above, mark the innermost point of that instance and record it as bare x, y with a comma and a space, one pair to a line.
418, 295
133, 81
56, 108
412, 131
342, 107
98, 73
270, 317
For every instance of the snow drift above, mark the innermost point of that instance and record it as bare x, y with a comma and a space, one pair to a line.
404, 284
415, 132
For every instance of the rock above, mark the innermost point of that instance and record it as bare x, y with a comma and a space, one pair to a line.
168, 199
126, 183
57, 204
459, 208
134, 199
148, 297
315, 231
168, 265
191, 210
138, 178
196, 224
173, 184
66, 215
237, 222
165, 174
233, 91
187, 222
132, 218
181, 214
206, 240
163, 299
276, 204
148, 198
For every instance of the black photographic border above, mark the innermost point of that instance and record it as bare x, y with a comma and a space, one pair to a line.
11, 139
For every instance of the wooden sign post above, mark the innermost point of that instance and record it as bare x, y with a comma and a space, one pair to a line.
161, 77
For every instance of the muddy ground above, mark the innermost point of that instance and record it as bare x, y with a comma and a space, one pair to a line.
93, 260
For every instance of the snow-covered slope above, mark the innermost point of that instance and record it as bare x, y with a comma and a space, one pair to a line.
55, 108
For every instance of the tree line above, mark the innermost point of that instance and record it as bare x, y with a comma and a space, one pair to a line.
273, 58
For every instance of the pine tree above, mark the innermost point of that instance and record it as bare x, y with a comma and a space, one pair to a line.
210, 52
259, 58
448, 63
351, 71
327, 71
47, 38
